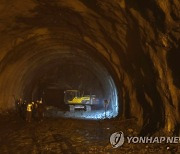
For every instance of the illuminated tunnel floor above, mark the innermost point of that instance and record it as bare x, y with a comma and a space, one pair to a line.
68, 136
80, 114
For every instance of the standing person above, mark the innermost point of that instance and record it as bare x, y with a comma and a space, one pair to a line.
23, 109
106, 103
29, 112
19, 106
40, 110
34, 109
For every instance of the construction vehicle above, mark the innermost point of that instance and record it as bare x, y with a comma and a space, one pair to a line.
77, 100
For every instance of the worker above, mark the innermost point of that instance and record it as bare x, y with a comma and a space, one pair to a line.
34, 109
40, 110
106, 103
19, 107
29, 112
23, 109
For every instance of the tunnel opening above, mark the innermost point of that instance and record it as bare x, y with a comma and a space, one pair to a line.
45, 68
72, 73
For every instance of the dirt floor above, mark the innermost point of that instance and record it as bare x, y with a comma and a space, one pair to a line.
70, 136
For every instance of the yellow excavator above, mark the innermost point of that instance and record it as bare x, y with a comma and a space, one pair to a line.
77, 100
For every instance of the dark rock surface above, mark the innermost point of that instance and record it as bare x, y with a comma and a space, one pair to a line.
137, 42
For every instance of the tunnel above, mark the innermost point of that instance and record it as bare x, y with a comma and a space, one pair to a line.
123, 54
59, 65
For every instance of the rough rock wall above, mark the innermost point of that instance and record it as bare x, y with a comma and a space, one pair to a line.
139, 39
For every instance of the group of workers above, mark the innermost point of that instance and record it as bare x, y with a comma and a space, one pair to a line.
31, 110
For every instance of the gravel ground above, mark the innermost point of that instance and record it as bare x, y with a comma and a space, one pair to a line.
70, 136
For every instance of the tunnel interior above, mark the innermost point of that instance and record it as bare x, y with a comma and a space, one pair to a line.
125, 52
69, 71
50, 69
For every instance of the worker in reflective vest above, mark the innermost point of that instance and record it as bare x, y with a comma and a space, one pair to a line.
29, 112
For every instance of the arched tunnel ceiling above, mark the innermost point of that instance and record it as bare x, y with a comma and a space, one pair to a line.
39, 55
136, 41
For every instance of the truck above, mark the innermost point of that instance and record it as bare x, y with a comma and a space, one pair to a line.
77, 100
